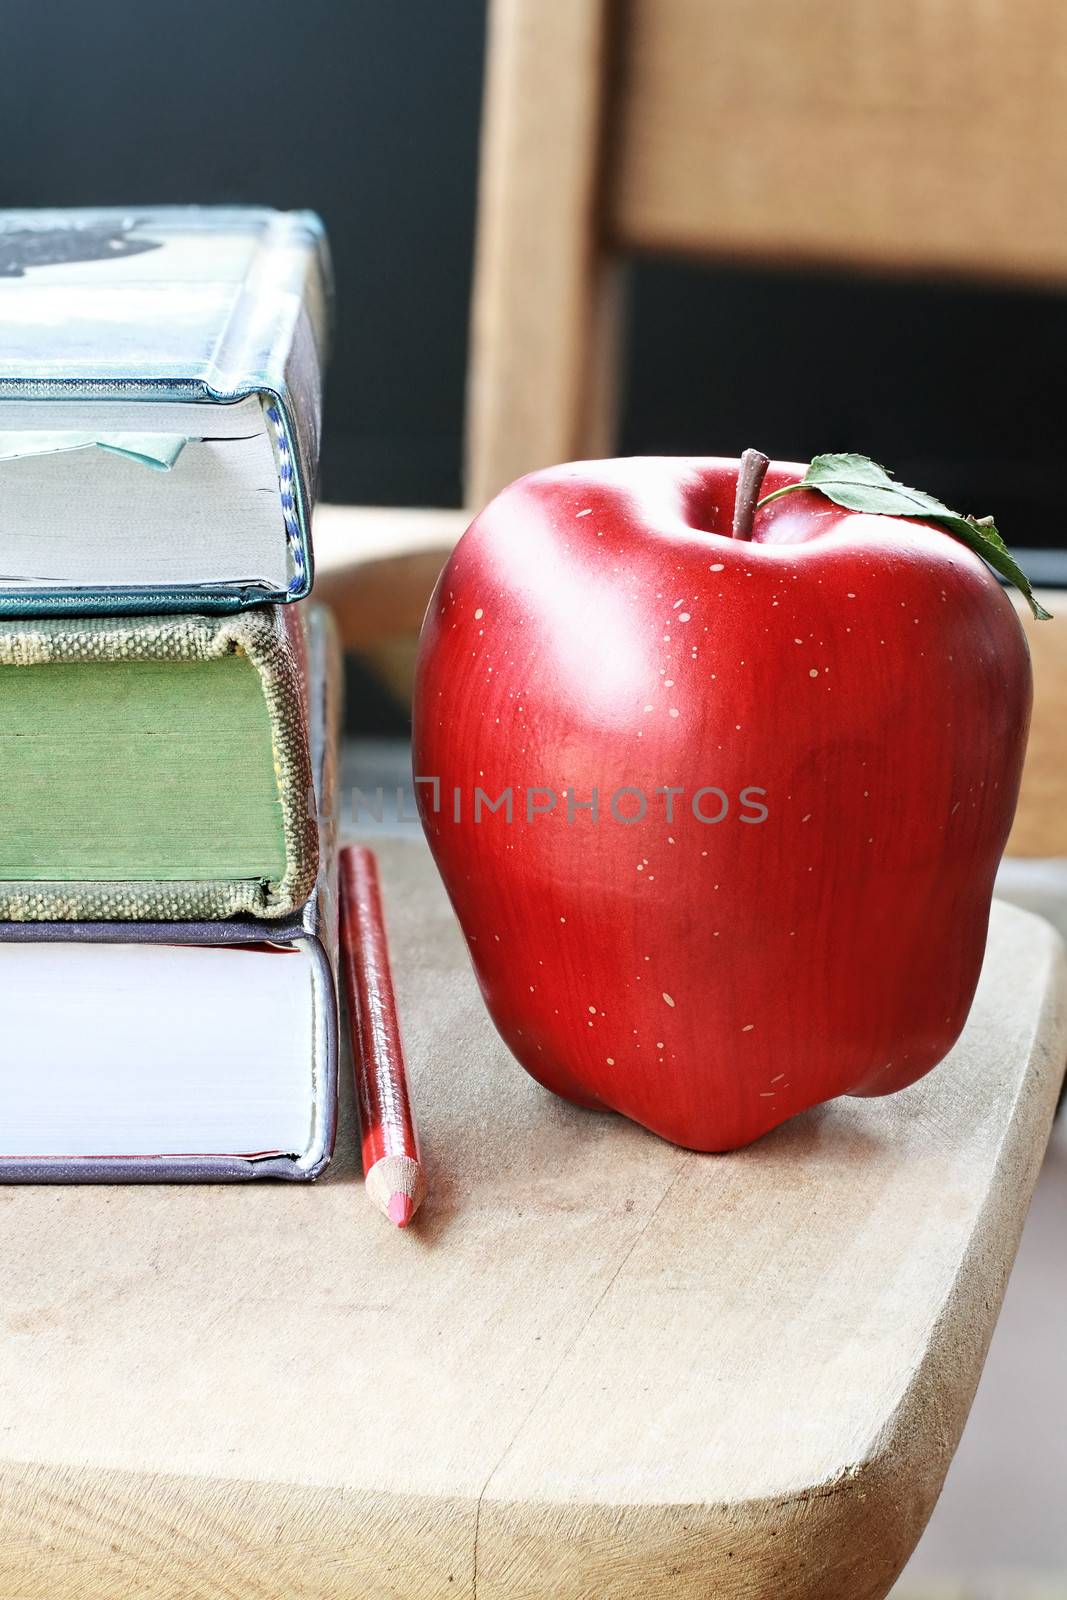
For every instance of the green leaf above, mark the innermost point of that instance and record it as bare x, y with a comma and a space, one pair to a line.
859, 484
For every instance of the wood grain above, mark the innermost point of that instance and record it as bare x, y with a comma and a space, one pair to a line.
594, 1365
1041, 818
540, 385
914, 137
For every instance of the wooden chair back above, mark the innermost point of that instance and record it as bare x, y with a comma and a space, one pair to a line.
922, 136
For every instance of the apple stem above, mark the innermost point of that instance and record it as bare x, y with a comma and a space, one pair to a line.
788, 488
750, 476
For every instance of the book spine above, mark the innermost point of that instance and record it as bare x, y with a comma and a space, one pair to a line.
274, 344
288, 276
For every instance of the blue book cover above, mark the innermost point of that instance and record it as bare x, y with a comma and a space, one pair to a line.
160, 407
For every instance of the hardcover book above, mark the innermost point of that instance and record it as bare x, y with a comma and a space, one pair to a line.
160, 377
179, 1051
155, 768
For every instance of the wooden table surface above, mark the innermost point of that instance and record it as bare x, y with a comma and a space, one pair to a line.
597, 1366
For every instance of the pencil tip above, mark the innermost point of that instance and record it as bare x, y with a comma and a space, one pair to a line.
400, 1209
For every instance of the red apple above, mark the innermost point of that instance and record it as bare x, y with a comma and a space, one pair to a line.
839, 704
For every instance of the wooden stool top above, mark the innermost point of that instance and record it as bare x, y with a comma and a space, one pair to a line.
596, 1365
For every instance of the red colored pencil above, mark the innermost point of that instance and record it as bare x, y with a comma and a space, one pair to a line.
392, 1170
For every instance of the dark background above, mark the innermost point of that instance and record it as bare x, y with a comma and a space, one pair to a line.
369, 113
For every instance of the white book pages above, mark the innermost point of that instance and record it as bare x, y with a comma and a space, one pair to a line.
91, 518
144, 1050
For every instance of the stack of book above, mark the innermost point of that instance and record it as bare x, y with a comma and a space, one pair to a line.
168, 702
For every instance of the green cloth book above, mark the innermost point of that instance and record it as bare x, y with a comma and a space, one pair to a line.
155, 768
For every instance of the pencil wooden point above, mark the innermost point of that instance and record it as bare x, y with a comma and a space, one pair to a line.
395, 1176
400, 1209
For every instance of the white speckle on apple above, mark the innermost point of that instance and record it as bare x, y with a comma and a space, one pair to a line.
563, 919
674, 711
668, 683
586, 513
650, 708
593, 1010
767, 1094
478, 614
683, 616
748, 1027
610, 1060
850, 596
807, 818
678, 603
814, 672
640, 866
779, 1078
716, 566
798, 641
667, 1000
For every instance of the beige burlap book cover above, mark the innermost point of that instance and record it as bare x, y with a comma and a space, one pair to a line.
274, 640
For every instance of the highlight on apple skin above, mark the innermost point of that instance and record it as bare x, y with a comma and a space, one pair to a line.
599, 636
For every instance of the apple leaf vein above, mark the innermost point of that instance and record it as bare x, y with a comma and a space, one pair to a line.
859, 484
